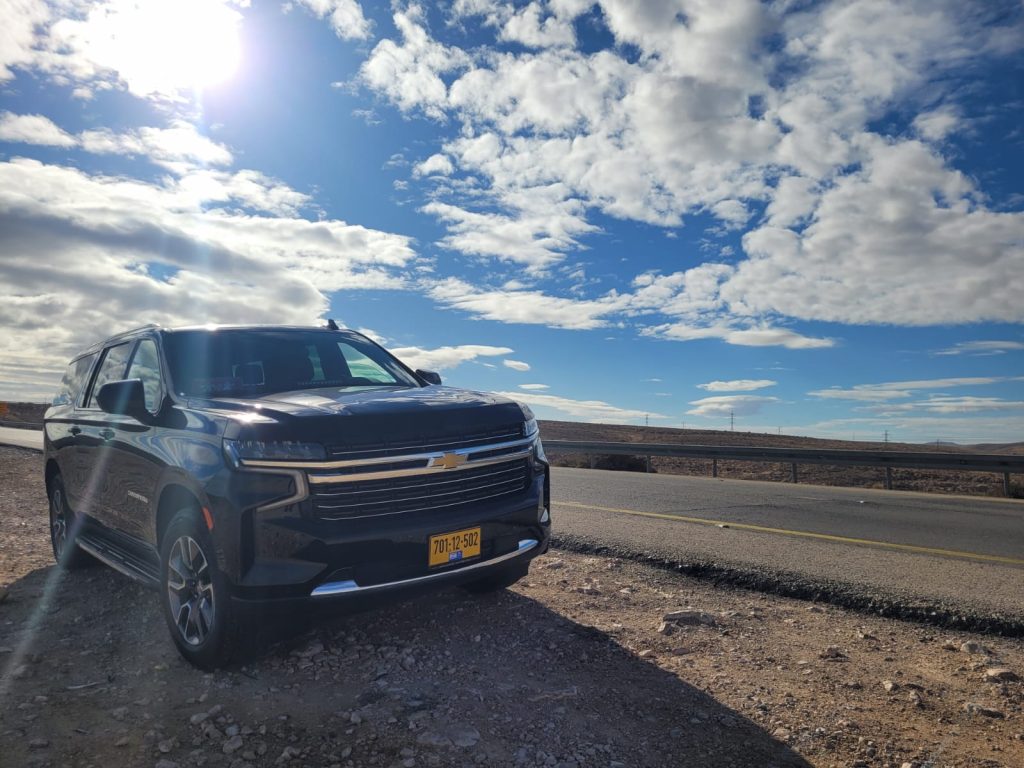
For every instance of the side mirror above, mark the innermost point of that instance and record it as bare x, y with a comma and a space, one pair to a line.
126, 397
429, 376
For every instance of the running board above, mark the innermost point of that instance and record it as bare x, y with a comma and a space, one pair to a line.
120, 560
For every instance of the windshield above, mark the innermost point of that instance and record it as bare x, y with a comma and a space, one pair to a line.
251, 363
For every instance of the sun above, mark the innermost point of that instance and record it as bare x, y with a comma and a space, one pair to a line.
166, 47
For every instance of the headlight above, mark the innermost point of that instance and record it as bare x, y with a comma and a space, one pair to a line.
275, 450
531, 428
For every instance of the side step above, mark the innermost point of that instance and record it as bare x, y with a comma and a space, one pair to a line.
120, 559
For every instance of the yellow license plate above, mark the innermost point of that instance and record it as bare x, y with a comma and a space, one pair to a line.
454, 547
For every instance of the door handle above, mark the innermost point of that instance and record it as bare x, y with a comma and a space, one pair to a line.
107, 434
75, 430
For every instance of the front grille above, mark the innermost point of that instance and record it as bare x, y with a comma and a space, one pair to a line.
353, 450
436, 490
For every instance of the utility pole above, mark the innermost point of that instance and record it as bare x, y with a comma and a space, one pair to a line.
887, 437
647, 420
732, 421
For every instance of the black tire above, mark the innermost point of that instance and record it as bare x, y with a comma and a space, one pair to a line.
65, 526
497, 581
194, 593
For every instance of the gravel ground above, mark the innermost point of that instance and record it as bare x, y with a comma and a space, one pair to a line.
575, 666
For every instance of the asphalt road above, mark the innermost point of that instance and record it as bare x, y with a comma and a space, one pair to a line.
951, 553
940, 551
22, 438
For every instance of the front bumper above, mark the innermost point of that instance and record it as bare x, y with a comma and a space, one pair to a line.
289, 554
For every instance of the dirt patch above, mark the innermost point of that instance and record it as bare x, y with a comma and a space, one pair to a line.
573, 667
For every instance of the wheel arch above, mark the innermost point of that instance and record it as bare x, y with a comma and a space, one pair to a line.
174, 496
50, 472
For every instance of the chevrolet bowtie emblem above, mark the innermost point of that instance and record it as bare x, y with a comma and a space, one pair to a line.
449, 460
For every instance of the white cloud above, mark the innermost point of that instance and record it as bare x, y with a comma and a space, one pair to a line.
596, 411
410, 73
345, 16
737, 385
744, 337
442, 358
516, 365
726, 107
534, 387
895, 390
947, 404
178, 147
120, 252
938, 123
33, 129
981, 348
726, 405
435, 165
531, 307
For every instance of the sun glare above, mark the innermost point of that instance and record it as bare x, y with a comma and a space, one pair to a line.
167, 46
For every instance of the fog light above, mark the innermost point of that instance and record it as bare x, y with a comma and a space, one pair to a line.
543, 516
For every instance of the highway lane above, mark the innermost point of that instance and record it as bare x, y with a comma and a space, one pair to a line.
961, 553
22, 438
987, 527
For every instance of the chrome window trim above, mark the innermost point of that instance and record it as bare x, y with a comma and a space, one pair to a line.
350, 587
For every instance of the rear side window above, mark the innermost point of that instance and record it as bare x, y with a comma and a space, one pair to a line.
74, 380
146, 366
115, 360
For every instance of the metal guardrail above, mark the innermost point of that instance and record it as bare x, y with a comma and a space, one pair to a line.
967, 462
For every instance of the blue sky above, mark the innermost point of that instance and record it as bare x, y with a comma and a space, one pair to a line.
806, 214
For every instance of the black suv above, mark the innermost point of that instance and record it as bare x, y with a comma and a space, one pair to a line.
239, 468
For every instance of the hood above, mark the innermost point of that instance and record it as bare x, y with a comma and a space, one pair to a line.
343, 419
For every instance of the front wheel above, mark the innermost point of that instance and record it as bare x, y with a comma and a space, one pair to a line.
194, 593
64, 529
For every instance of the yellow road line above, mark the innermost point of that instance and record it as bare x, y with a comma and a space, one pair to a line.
801, 534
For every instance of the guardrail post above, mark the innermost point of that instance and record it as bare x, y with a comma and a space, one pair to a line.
888, 478
1006, 484
592, 461
714, 467
792, 470
648, 463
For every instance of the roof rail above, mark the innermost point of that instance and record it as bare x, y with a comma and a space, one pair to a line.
145, 327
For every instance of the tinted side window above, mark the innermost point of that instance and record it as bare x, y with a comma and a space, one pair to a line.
115, 360
74, 380
146, 366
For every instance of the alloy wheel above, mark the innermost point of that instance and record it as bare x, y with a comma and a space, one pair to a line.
58, 522
190, 590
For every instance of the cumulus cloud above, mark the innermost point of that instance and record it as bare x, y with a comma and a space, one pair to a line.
345, 16
33, 129
596, 411
516, 365
179, 147
435, 165
120, 252
442, 358
726, 108
737, 385
726, 405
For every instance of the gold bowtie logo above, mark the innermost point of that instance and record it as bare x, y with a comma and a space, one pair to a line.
449, 460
